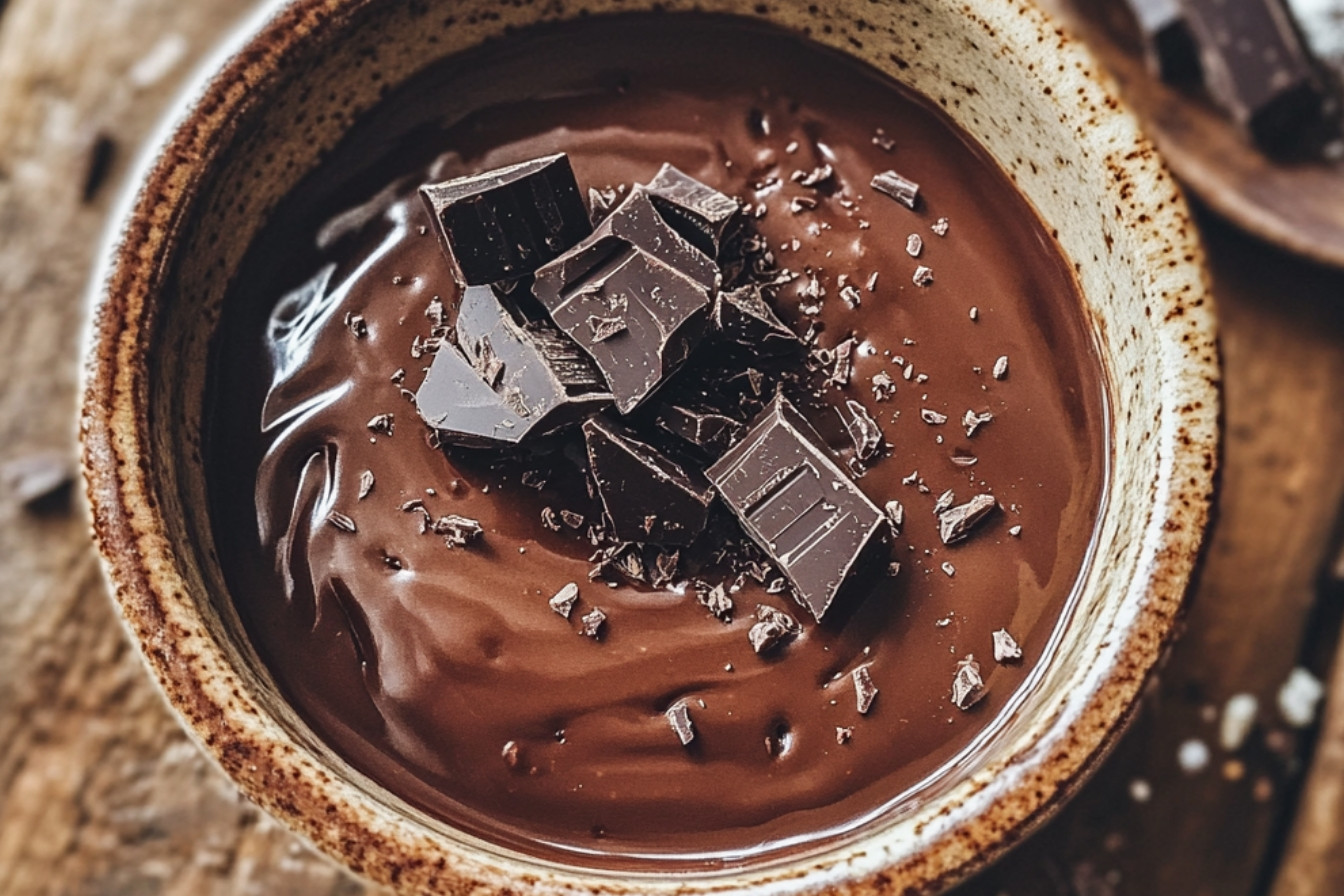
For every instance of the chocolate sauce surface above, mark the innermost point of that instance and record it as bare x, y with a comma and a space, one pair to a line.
442, 672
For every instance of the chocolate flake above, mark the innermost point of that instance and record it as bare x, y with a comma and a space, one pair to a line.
862, 429
679, 717
940, 227
865, 692
1001, 367
457, 531
932, 417
341, 521
815, 178
505, 223
799, 506
895, 512
884, 387
772, 629
564, 600
903, 190
923, 276
634, 481
717, 601
945, 500
383, 424
850, 295
967, 685
955, 523
365, 484
592, 623
844, 362
356, 324
914, 245
1006, 649
973, 421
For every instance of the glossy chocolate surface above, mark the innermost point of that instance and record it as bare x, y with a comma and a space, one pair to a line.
443, 671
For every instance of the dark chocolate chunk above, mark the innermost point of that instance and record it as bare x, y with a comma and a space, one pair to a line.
744, 315
507, 380
706, 430
664, 568
592, 623
648, 497
902, 189
679, 717
701, 214
505, 223
564, 600
865, 692
967, 685
1255, 67
717, 601
955, 523
799, 506
1168, 46
772, 628
862, 429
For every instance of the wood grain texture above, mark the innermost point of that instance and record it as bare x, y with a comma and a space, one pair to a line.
101, 793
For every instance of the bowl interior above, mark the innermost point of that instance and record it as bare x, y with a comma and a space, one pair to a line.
1002, 73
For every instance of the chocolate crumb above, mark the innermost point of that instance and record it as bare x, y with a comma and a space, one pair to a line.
923, 276
1005, 648
593, 621
843, 734
851, 296
679, 717
1015, 531
865, 692
383, 424
882, 141
771, 629
949, 569
932, 417
41, 482
1001, 367
884, 387
365, 484
814, 178
355, 323
973, 421
341, 521
940, 227
914, 245
564, 600
967, 685
895, 511
717, 601
903, 190
457, 531
955, 523
944, 501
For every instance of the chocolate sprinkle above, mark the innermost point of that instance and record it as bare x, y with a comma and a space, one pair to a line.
564, 600
967, 685
679, 717
865, 692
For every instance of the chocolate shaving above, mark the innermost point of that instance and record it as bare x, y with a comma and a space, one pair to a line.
592, 623
679, 717
865, 692
973, 421
967, 685
1006, 649
903, 190
457, 531
772, 628
564, 600
365, 484
955, 523
341, 521
815, 178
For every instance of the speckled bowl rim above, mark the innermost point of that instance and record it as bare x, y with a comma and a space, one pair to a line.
283, 777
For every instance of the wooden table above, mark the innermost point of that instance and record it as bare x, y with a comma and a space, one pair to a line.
101, 793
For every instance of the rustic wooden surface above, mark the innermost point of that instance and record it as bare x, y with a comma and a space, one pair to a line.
100, 793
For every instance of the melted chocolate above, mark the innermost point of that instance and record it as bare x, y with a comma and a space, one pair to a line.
439, 666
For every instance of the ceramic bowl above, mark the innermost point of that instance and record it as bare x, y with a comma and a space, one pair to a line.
291, 84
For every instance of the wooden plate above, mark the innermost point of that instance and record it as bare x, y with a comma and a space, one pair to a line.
1296, 205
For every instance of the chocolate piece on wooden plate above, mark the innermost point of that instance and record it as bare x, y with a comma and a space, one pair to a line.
505, 223
800, 507
648, 497
505, 381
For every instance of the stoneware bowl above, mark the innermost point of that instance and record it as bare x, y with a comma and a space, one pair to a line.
291, 85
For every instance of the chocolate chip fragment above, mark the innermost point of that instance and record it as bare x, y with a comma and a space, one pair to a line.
902, 189
717, 601
457, 531
940, 226
40, 482
799, 506
592, 623
679, 717
865, 692
647, 496
340, 521
383, 424
914, 245
967, 685
923, 276
506, 380
701, 214
504, 224
932, 417
772, 629
862, 429
707, 430
564, 600
972, 421
895, 512
356, 324
944, 501
850, 295
817, 177
365, 484
1001, 367
1006, 649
